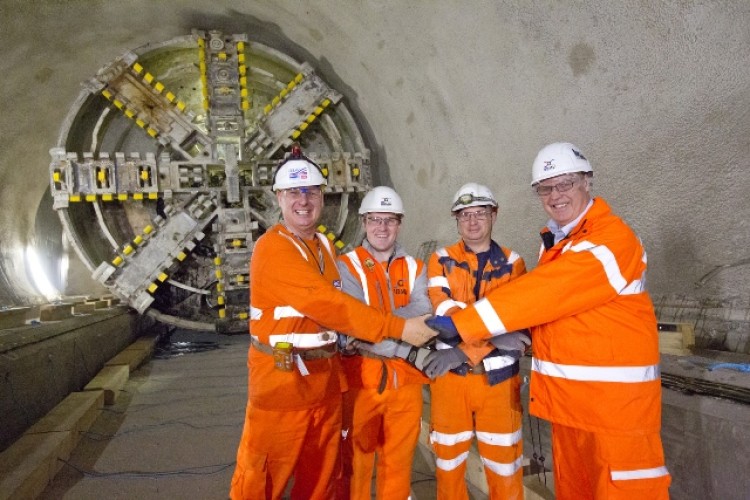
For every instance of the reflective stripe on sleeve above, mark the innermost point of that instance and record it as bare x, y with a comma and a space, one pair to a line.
623, 374
453, 463
607, 259
438, 281
255, 313
622, 475
446, 305
286, 312
489, 317
450, 439
502, 469
500, 439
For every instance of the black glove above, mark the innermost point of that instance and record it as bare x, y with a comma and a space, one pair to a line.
445, 327
440, 362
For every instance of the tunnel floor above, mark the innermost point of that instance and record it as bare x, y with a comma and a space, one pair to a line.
174, 429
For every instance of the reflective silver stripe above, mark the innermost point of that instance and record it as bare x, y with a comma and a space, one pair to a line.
411, 265
354, 259
513, 257
450, 439
500, 439
301, 250
489, 317
326, 244
502, 469
621, 475
624, 374
497, 362
605, 256
438, 281
286, 312
255, 313
305, 340
451, 464
635, 287
441, 252
446, 305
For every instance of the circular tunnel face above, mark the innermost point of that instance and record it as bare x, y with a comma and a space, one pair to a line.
162, 174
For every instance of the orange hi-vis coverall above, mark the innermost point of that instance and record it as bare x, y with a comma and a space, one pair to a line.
293, 418
383, 406
465, 403
595, 370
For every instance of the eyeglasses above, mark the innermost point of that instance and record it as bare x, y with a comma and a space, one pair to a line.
382, 221
561, 187
467, 198
312, 192
478, 215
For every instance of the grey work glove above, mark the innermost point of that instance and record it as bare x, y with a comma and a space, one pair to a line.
386, 348
513, 341
440, 362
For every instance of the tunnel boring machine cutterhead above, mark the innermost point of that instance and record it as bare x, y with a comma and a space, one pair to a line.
162, 172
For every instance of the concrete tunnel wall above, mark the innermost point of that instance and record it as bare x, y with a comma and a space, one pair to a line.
655, 94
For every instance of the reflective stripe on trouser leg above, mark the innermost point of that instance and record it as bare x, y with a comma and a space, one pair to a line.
498, 419
591, 465
451, 426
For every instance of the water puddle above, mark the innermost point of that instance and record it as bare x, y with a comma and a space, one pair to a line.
173, 349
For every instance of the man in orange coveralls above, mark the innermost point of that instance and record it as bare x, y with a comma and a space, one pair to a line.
595, 370
476, 391
293, 417
383, 406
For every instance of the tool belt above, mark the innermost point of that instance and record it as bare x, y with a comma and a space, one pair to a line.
466, 369
324, 352
493, 376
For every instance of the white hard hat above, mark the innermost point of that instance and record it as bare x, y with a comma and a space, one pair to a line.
473, 195
556, 159
297, 171
381, 199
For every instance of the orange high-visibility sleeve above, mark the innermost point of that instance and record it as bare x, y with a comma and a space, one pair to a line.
280, 277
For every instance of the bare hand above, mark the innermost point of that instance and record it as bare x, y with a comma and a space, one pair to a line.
416, 332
